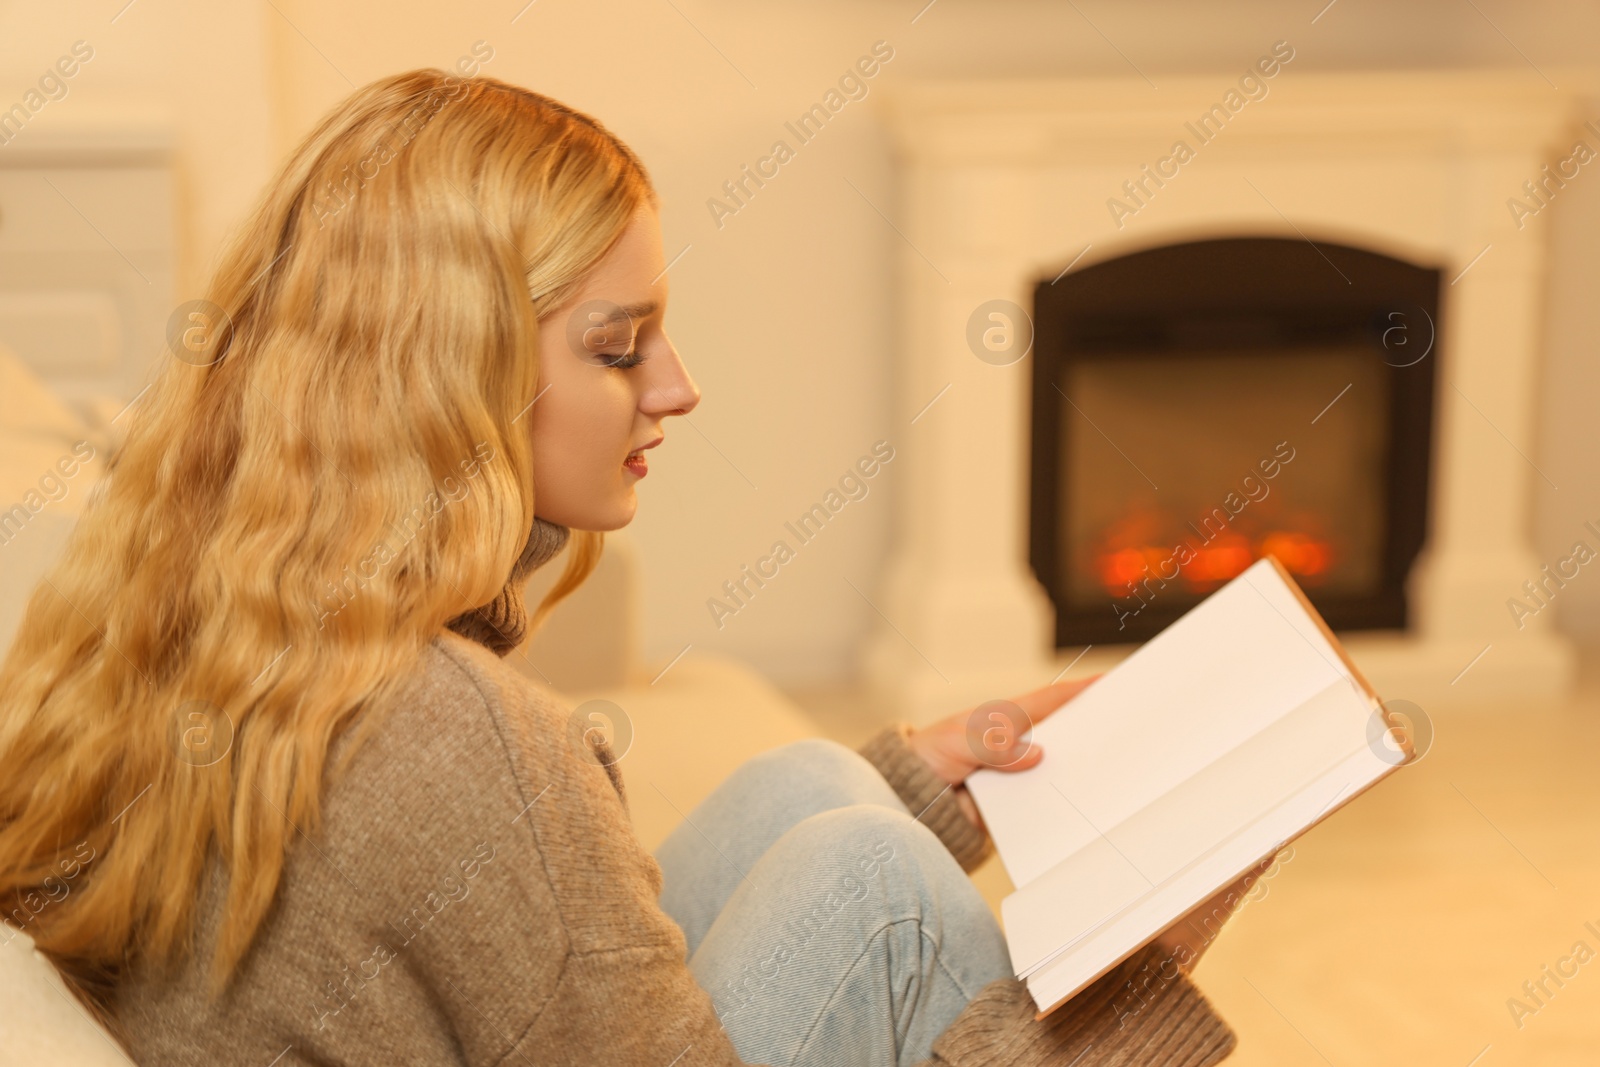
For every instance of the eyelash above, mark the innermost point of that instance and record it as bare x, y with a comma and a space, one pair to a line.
626, 361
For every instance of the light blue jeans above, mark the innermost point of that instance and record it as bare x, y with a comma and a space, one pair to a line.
827, 924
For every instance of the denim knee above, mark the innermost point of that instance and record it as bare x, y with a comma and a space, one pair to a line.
816, 765
889, 848
856, 919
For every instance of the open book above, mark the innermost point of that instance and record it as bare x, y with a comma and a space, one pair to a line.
1227, 735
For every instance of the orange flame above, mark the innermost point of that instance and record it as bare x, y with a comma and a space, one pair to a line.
1129, 556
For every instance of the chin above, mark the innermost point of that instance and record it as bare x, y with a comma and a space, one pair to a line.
602, 520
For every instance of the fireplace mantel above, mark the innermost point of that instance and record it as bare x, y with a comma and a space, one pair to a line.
1006, 183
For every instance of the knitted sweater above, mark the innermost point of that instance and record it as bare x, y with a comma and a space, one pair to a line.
476, 896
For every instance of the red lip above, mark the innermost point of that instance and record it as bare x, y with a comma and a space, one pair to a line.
637, 464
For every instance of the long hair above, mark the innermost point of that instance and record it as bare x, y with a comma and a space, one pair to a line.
331, 465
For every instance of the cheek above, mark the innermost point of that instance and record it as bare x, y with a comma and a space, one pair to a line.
582, 438
581, 435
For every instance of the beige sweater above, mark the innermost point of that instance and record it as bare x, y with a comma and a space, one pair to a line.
477, 896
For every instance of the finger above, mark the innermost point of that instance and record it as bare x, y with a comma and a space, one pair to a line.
1044, 701
1000, 748
1029, 759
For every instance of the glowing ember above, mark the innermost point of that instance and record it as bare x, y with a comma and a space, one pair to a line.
1118, 567
1300, 554
1220, 560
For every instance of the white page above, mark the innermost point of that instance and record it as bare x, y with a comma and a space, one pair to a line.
1179, 837
1072, 970
1241, 659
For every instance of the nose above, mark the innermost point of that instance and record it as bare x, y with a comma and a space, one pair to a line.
676, 393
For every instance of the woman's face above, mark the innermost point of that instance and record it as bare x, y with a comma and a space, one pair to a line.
608, 375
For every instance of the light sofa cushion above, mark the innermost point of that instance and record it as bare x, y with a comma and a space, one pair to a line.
40, 1022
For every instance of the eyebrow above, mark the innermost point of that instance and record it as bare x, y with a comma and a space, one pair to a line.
642, 310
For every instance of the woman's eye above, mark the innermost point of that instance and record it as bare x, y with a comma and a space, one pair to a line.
622, 361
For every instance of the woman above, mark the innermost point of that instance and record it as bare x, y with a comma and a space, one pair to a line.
269, 792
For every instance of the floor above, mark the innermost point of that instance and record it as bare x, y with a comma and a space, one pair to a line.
1402, 929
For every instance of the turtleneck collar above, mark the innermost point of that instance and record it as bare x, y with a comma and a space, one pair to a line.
502, 624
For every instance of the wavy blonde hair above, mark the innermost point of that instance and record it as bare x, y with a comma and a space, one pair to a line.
373, 340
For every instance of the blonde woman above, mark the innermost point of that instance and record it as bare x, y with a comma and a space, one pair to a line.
269, 792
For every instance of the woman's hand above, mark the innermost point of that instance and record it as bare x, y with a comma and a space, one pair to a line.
989, 735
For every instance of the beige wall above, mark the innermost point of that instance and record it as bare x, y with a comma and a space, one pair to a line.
203, 71
784, 314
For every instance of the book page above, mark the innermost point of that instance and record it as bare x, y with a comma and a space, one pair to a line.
1069, 971
1159, 848
1240, 660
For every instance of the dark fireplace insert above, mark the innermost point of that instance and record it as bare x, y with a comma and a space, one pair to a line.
1198, 405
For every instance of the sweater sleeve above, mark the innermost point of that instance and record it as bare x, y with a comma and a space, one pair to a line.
1133, 1014
930, 799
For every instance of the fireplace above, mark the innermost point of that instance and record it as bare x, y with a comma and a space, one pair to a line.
1194, 337
1199, 404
